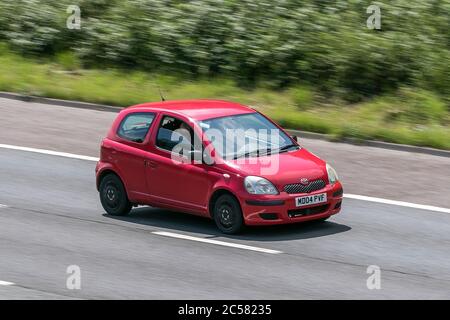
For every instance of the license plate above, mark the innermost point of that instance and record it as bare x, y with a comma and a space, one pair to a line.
309, 200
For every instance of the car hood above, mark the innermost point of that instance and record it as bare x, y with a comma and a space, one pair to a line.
284, 168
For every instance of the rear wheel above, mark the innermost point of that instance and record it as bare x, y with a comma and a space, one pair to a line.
113, 196
228, 215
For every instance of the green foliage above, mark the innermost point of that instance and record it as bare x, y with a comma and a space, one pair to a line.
417, 107
68, 60
32, 26
303, 97
409, 115
311, 64
324, 44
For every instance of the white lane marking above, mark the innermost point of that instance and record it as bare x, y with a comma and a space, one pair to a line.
3, 206
6, 283
49, 152
346, 195
396, 203
216, 242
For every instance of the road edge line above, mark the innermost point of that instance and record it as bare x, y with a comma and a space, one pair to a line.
216, 242
396, 203
49, 152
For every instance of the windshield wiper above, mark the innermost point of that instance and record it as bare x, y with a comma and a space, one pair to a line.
266, 152
287, 147
254, 152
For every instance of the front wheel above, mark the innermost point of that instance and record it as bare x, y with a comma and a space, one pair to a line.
228, 215
113, 196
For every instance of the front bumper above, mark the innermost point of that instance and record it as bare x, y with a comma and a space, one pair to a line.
281, 208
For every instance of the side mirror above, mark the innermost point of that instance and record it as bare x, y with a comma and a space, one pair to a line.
295, 138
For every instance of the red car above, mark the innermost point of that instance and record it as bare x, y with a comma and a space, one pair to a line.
216, 159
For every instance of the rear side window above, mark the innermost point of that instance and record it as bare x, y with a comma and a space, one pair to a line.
135, 126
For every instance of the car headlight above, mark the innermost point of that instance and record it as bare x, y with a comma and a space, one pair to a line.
332, 175
258, 185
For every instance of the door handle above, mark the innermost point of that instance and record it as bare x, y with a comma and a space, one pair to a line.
150, 163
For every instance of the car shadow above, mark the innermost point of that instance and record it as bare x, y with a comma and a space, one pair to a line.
189, 223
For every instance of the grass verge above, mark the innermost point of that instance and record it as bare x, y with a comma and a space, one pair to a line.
408, 116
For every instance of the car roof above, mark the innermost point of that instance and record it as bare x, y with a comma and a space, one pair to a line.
196, 109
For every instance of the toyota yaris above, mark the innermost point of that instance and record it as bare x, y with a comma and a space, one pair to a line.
216, 159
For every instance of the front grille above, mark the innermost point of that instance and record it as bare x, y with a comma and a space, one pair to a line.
307, 211
300, 188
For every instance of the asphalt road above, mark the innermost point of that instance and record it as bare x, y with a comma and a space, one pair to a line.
51, 218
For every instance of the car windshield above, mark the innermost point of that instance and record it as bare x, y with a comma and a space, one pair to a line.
245, 135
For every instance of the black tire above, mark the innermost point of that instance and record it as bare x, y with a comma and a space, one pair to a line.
228, 215
113, 196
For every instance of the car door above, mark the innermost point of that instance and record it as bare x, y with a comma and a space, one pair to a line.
170, 179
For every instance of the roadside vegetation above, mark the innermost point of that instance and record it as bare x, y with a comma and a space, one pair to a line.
311, 65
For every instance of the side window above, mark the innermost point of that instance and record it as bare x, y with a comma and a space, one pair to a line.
173, 132
135, 126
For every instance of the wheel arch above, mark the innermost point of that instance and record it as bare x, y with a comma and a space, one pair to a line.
215, 195
104, 173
